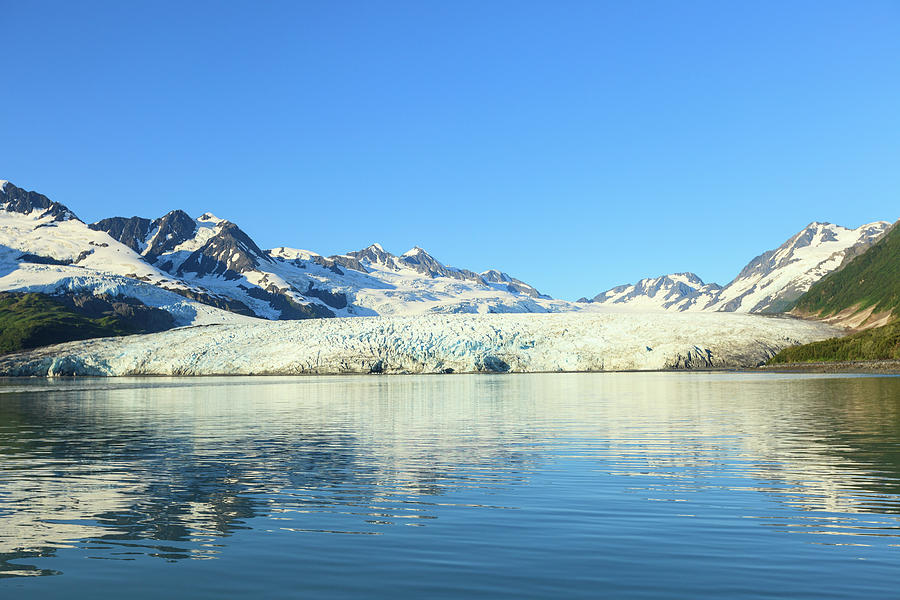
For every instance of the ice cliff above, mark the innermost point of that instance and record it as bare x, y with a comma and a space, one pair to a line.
433, 344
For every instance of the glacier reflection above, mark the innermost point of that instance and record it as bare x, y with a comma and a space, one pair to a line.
173, 468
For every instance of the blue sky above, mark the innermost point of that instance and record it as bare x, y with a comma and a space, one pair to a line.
576, 145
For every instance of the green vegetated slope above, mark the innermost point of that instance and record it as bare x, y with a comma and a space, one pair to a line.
878, 343
872, 279
30, 320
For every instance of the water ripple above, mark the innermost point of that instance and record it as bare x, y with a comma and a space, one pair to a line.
576, 473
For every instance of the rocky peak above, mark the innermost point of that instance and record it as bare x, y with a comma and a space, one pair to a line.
418, 259
816, 234
15, 199
168, 232
512, 284
495, 276
132, 231
415, 251
210, 218
374, 254
675, 289
228, 253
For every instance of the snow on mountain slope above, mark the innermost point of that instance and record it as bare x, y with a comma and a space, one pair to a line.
774, 279
45, 248
285, 283
374, 281
433, 344
769, 283
679, 292
218, 260
212, 261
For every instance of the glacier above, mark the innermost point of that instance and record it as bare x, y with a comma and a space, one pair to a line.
432, 343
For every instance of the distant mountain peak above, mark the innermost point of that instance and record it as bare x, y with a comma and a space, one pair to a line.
374, 254
675, 291
18, 200
208, 217
496, 276
768, 283
415, 251
168, 232
209, 260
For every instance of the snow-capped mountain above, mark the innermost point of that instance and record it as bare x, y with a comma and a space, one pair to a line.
678, 291
45, 248
209, 270
769, 283
186, 263
774, 279
286, 283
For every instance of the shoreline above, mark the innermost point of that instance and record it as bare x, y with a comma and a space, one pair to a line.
883, 367
874, 367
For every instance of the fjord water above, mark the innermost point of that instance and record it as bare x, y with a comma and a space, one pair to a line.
656, 485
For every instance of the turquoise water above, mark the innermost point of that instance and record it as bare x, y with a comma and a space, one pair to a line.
650, 485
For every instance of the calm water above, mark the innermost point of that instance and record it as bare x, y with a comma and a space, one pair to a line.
529, 486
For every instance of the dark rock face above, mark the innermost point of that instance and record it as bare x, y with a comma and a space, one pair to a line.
229, 304
512, 284
374, 254
517, 287
131, 232
160, 235
693, 358
332, 299
227, 254
289, 309
131, 312
495, 276
43, 260
348, 262
168, 231
15, 199
426, 264
492, 364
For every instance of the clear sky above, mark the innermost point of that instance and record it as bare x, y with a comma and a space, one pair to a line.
576, 145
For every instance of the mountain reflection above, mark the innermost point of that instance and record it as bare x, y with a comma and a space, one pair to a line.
173, 468
130, 468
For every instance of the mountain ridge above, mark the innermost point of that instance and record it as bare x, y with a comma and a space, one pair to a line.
864, 292
212, 261
768, 283
200, 267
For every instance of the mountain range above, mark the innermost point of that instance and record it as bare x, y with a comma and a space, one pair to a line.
770, 283
208, 270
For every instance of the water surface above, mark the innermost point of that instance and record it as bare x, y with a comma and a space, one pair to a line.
530, 486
